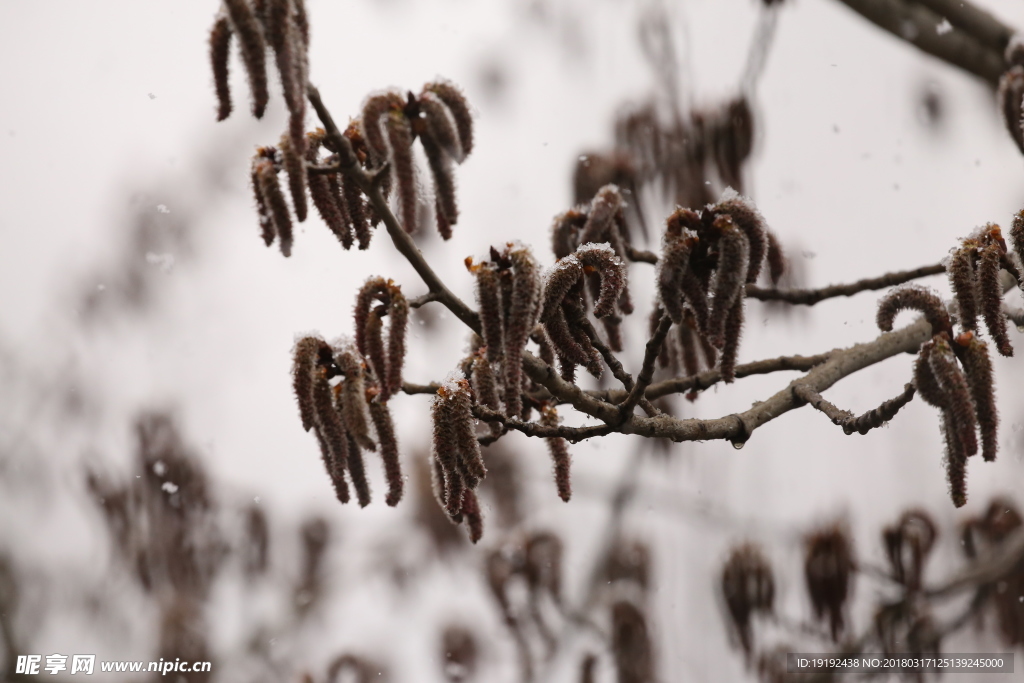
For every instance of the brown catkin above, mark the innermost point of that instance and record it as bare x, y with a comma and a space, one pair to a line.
335, 470
440, 126
325, 192
521, 319
250, 41
445, 448
730, 275
456, 103
962, 279
601, 215
279, 31
491, 319
465, 436
674, 262
372, 290
352, 399
485, 385
357, 471
262, 212
733, 330
960, 407
1017, 238
373, 109
776, 258
560, 457
357, 211
748, 585
565, 232
915, 297
329, 426
403, 168
295, 167
925, 381
748, 219
956, 461
444, 185
388, 449
398, 316
304, 364
612, 272
376, 352
978, 370
991, 292
473, 516
277, 207
220, 54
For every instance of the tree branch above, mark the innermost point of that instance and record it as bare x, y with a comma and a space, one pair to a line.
809, 297
984, 27
572, 434
738, 427
875, 417
615, 366
918, 25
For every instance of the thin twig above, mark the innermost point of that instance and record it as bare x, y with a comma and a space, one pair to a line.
809, 297
615, 366
573, 434
647, 370
873, 418
422, 300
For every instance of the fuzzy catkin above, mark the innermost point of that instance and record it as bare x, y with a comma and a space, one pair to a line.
295, 167
330, 428
250, 41
352, 399
978, 371
959, 407
491, 319
440, 125
444, 185
1017, 239
304, 362
776, 258
748, 219
521, 319
220, 54
561, 460
730, 275
733, 330
473, 516
601, 215
398, 323
962, 279
357, 471
612, 272
277, 207
388, 449
403, 169
915, 297
459, 108
992, 298
673, 263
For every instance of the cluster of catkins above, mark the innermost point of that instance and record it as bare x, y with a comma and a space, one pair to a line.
341, 414
748, 582
954, 374
573, 238
707, 260
389, 125
508, 288
678, 154
457, 464
983, 535
974, 274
